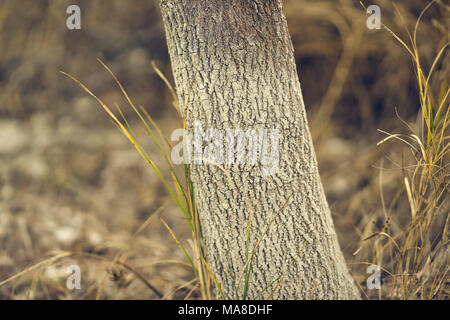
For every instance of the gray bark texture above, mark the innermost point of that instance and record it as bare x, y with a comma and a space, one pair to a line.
234, 68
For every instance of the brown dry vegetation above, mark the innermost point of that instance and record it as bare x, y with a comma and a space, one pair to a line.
70, 181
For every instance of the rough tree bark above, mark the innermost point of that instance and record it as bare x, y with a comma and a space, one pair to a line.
234, 67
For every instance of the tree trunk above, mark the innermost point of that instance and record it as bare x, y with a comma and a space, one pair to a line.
234, 68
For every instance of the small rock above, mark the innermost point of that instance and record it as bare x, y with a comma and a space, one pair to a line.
12, 137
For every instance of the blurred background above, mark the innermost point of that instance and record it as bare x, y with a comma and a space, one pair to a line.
69, 179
